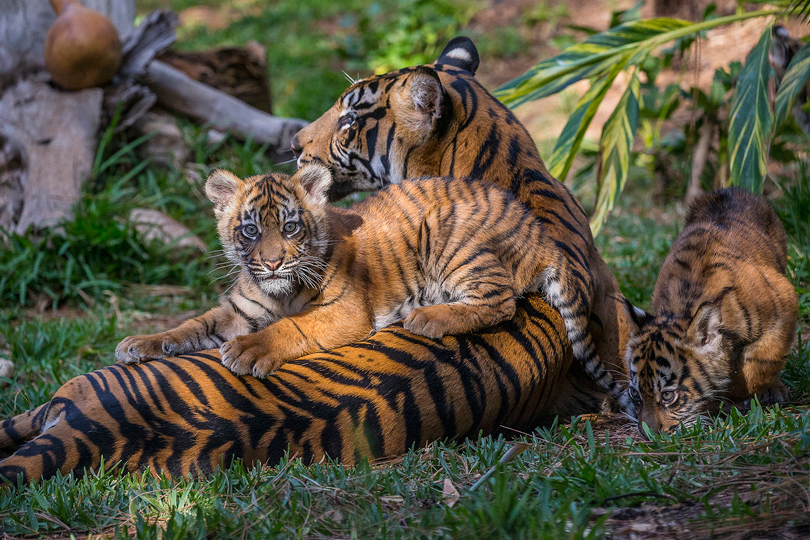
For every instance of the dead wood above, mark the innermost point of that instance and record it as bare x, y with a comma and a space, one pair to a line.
179, 92
57, 134
238, 71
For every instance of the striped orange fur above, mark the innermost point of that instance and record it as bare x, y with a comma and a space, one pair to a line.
373, 399
439, 121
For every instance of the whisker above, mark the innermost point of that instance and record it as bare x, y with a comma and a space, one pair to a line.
349, 77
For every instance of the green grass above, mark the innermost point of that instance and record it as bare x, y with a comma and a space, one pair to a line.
578, 479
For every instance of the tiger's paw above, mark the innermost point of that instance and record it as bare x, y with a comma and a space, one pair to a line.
134, 349
431, 321
777, 392
249, 355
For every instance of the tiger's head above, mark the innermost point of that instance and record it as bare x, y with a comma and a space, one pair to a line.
273, 226
389, 127
676, 368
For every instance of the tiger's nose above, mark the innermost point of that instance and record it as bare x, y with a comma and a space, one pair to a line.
295, 144
273, 264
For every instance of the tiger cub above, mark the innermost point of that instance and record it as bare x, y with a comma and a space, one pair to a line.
723, 315
448, 255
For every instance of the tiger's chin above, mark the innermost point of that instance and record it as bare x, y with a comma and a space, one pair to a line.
277, 286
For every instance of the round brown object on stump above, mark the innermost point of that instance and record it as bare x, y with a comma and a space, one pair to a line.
82, 48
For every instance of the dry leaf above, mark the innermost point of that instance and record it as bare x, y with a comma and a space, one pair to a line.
450, 494
335, 515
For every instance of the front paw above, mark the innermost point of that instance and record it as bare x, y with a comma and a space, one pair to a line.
777, 392
134, 349
430, 321
249, 355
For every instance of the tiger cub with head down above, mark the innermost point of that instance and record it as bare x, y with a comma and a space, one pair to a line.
448, 255
723, 315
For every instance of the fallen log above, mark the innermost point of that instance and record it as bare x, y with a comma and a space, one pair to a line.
238, 71
179, 92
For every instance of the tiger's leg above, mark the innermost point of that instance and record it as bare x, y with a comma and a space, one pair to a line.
482, 293
338, 321
208, 331
55, 449
763, 359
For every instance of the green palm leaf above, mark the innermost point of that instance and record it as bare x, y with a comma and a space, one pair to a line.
615, 147
599, 53
751, 119
792, 83
569, 141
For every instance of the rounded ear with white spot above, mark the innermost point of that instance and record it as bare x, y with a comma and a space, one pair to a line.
460, 53
424, 94
220, 188
315, 179
705, 331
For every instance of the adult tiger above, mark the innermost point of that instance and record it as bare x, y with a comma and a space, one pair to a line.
439, 121
374, 399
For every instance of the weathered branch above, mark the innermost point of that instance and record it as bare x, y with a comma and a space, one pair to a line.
178, 92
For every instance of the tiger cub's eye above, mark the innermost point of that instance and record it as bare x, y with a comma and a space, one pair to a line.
634, 395
250, 230
291, 227
667, 396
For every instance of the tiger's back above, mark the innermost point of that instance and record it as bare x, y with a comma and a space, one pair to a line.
723, 314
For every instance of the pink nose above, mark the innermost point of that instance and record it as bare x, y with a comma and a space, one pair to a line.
273, 265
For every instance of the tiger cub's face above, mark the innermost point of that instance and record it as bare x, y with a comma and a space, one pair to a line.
376, 127
675, 368
273, 226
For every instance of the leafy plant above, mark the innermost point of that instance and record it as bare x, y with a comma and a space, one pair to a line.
631, 47
389, 35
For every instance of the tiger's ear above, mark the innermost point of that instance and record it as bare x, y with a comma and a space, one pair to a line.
460, 53
220, 188
705, 331
423, 95
315, 179
638, 316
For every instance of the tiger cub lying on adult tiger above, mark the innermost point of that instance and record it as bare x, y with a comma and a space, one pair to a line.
448, 255
724, 315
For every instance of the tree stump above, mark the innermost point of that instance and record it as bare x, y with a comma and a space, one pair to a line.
56, 132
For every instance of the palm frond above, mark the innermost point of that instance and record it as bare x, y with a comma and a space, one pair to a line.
614, 148
751, 118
